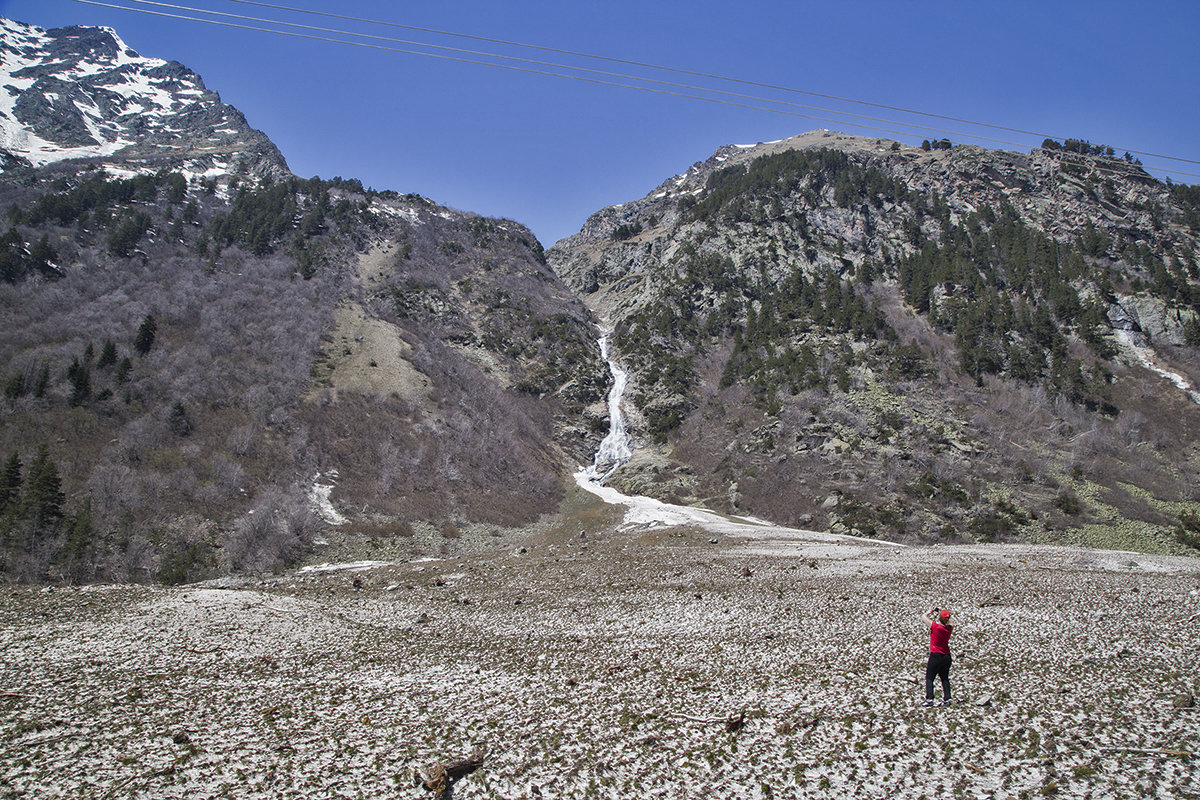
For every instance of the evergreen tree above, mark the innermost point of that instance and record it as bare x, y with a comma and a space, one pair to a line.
80, 375
10, 483
108, 354
80, 540
178, 420
42, 257
145, 335
43, 381
12, 257
128, 232
43, 498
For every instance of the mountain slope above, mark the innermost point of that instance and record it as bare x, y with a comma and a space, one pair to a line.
211, 365
943, 343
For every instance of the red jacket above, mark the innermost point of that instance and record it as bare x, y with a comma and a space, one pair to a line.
939, 638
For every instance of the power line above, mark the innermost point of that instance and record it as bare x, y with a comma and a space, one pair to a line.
691, 87
680, 71
537, 71
530, 70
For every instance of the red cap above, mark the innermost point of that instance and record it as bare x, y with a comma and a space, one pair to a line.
945, 614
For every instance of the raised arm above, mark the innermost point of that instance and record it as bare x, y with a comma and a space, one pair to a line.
929, 616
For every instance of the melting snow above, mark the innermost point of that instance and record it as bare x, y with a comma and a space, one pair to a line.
352, 566
1146, 356
122, 79
319, 497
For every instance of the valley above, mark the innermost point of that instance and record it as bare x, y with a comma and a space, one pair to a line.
604, 660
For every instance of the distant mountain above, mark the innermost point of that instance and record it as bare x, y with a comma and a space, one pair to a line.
938, 343
81, 94
210, 365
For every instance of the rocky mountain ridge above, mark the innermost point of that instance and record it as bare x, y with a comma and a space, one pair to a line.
80, 94
211, 365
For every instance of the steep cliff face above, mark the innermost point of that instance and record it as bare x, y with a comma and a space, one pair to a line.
80, 94
909, 343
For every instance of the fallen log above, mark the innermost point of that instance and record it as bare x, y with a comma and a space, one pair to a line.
732, 723
440, 779
1149, 751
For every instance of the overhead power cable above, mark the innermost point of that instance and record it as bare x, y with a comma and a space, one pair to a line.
534, 67
678, 70
530, 70
921, 129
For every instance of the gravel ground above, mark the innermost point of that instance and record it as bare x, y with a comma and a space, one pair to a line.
607, 667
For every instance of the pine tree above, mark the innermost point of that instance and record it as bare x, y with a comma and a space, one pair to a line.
178, 420
80, 539
81, 382
43, 498
42, 257
10, 482
12, 257
43, 381
108, 354
145, 335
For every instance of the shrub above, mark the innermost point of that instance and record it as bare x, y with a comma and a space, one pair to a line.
1187, 533
1068, 504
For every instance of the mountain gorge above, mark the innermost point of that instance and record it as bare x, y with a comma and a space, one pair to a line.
212, 365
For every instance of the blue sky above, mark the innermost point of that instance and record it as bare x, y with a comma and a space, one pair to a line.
548, 152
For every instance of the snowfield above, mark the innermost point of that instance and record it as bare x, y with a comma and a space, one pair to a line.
617, 665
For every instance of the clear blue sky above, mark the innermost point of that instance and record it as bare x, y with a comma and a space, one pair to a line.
548, 152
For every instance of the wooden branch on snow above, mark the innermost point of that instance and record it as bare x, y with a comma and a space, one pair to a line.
440, 779
1143, 751
292, 611
732, 723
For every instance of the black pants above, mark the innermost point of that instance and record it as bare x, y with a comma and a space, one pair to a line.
938, 666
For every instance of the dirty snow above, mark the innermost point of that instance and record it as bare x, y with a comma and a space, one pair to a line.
318, 496
1145, 355
604, 666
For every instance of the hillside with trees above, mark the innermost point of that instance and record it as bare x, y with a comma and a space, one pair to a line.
168, 359
935, 344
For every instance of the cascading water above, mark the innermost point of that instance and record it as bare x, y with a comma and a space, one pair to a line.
614, 449
647, 512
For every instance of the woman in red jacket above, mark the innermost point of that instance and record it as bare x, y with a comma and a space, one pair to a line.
939, 653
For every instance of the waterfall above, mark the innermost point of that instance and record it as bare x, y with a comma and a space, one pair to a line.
646, 512
614, 449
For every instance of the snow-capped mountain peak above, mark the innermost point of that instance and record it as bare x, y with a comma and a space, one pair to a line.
82, 93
